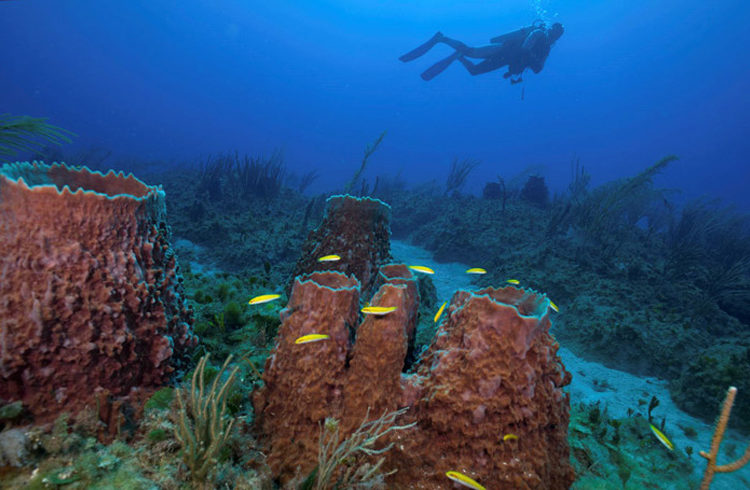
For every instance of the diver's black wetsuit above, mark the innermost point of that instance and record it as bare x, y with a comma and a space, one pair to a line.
525, 48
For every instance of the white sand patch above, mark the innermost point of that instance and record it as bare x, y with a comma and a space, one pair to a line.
448, 276
197, 267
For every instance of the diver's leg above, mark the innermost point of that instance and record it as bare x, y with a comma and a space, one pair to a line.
438, 67
468, 51
485, 66
422, 49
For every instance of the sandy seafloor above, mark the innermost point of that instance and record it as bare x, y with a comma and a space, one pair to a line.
623, 389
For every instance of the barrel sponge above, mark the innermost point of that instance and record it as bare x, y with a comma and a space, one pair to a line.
356, 228
90, 293
491, 371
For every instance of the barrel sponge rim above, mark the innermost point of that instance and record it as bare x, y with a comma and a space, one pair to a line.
65, 179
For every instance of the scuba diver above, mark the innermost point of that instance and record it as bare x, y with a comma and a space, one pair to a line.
527, 47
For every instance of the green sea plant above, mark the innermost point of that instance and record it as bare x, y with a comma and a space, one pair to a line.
459, 171
346, 460
219, 322
157, 435
223, 291
259, 177
161, 399
608, 214
25, 133
369, 150
11, 410
203, 426
233, 314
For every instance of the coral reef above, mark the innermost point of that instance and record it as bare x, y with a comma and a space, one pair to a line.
91, 292
493, 370
254, 230
642, 287
535, 191
623, 453
493, 190
356, 229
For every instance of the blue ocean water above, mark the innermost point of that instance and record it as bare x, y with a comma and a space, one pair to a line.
627, 83
170, 83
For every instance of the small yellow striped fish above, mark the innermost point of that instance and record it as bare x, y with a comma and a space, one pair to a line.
662, 438
476, 270
464, 480
313, 337
329, 258
554, 306
263, 298
440, 311
513, 281
378, 310
422, 269
508, 437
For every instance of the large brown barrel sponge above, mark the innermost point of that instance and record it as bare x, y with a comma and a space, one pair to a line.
492, 370
358, 230
90, 294
304, 383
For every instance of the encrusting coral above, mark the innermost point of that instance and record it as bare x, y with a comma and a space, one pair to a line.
90, 297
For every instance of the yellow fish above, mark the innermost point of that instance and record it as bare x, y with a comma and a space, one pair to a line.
329, 258
313, 337
421, 268
508, 437
440, 311
513, 281
662, 438
476, 270
554, 306
378, 310
263, 298
464, 480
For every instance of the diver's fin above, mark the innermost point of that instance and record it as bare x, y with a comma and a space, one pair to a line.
422, 49
438, 67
